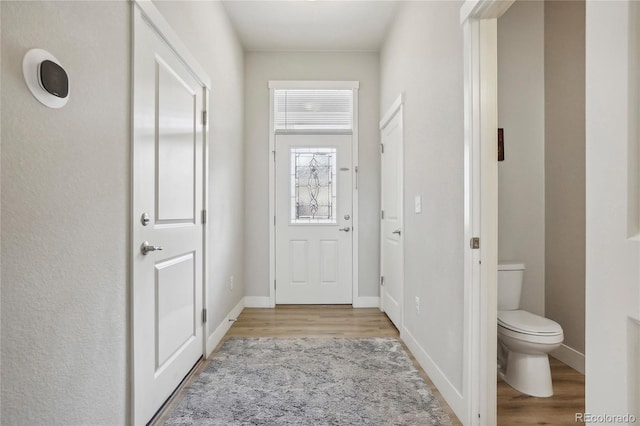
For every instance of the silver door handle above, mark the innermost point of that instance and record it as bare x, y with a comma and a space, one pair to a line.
397, 231
347, 229
146, 248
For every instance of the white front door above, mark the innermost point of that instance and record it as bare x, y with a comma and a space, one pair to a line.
167, 201
392, 252
314, 226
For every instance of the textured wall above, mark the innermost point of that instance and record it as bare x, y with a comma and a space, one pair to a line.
521, 182
422, 57
65, 196
264, 66
564, 32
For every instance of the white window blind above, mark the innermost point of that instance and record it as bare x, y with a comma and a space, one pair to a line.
313, 109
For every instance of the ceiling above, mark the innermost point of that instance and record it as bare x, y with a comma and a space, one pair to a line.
304, 25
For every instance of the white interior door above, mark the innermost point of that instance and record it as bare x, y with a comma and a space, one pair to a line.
313, 219
167, 189
392, 251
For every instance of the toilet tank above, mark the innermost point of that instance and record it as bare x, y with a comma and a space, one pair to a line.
510, 279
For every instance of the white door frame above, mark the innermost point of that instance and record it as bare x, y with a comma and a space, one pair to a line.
145, 10
479, 25
395, 109
302, 84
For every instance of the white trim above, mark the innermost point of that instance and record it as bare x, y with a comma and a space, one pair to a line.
484, 9
571, 357
272, 203
355, 212
353, 85
313, 84
205, 207
257, 302
366, 302
153, 16
391, 112
439, 379
479, 20
471, 337
222, 328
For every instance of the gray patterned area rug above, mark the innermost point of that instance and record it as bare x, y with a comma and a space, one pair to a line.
330, 381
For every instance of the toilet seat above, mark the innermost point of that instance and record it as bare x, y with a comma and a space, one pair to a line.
538, 339
523, 322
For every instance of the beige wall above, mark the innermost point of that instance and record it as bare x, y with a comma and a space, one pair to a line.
564, 33
521, 176
422, 58
65, 201
260, 67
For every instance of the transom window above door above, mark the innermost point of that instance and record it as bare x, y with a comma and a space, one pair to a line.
318, 109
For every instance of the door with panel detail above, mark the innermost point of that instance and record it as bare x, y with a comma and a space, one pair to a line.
392, 249
167, 201
314, 226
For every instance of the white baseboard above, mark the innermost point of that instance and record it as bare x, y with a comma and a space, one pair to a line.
446, 388
257, 302
223, 327
265, 302
570, 356
367, 302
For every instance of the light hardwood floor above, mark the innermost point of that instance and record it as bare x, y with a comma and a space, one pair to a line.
344, 321
515, 408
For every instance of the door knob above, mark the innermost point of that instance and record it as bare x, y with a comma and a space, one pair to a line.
347, 229
146, 248
397, 231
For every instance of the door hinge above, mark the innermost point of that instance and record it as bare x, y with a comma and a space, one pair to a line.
204, 118
203, 216
356, 168
274, 156
474, 243
274, 284
274, 221
204, 316
382, 281
381, 214
382, 148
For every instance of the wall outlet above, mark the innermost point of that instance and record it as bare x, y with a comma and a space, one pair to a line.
231, 284
417, 305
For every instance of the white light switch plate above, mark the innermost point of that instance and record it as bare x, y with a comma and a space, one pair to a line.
418, 204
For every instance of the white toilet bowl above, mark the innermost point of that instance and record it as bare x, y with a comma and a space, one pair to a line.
527, 339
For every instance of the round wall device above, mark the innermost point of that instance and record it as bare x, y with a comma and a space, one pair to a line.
46, 78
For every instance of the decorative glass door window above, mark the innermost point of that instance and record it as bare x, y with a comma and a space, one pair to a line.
313, 185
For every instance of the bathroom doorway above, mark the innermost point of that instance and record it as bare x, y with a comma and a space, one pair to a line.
541, 196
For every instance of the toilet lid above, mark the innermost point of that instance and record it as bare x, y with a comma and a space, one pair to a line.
526, 322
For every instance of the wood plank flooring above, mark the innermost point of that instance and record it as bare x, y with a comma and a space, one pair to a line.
344, 321
515, 408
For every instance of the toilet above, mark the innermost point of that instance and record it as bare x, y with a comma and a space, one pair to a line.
524, 339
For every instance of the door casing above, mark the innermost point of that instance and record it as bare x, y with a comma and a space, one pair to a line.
478, 19
312, 85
